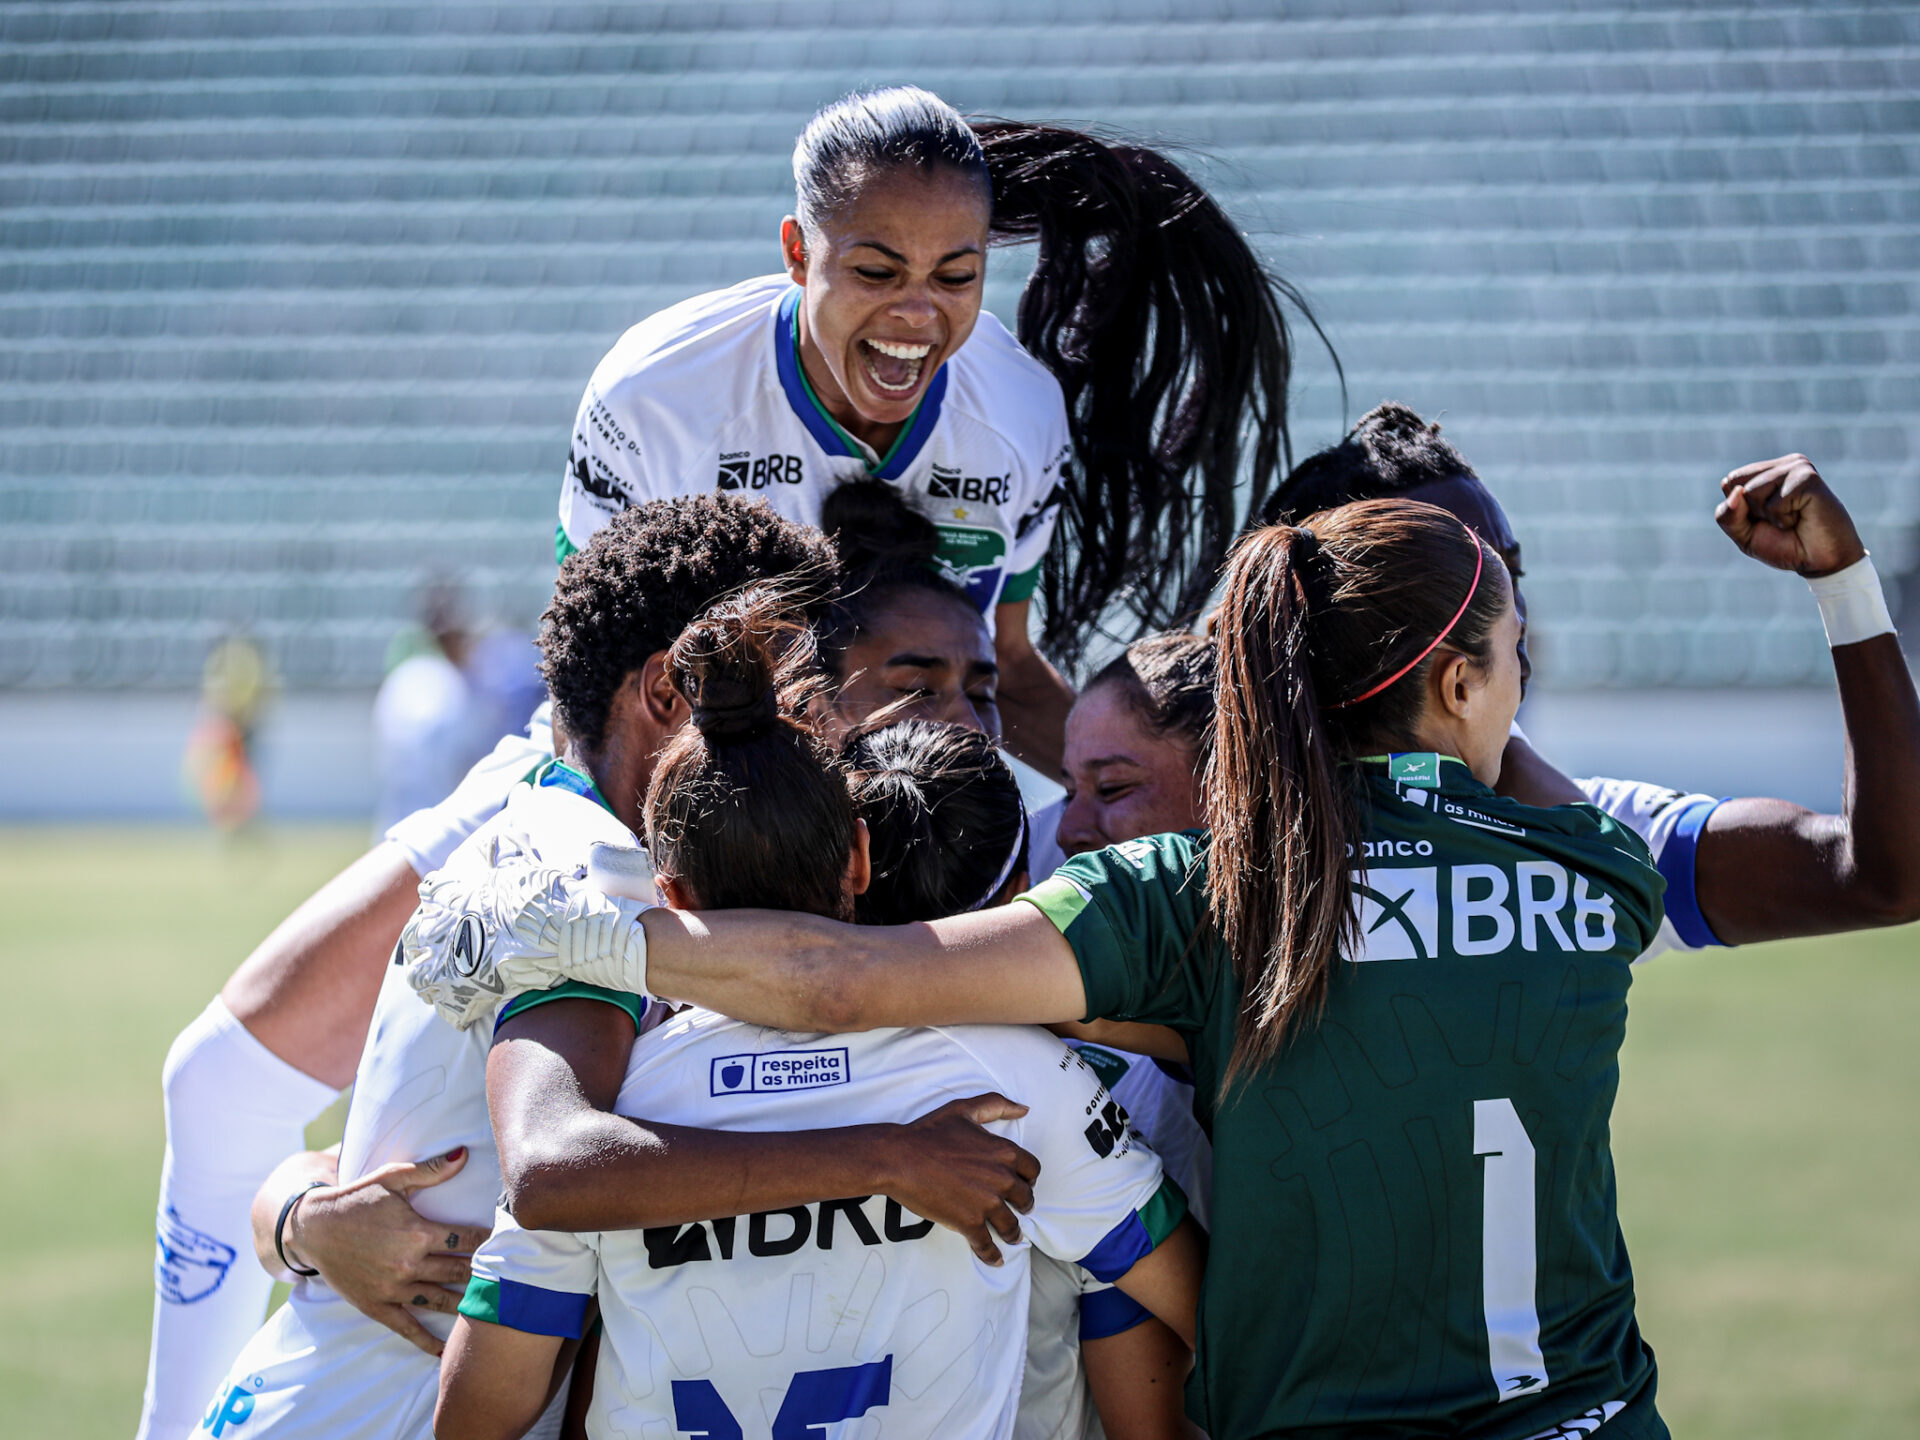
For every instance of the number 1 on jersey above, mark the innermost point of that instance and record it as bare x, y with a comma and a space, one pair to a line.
1507, 1256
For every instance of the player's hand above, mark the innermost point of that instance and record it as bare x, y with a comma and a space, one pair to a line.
482, 936
945, 1167
1782, 514
380, 1254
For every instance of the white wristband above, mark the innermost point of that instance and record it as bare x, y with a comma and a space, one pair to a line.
1852, 605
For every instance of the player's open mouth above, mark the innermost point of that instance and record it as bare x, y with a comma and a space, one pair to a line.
892, 366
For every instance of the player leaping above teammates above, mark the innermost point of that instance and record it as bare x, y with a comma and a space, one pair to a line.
805, 1316
1819, 874
1151, 390
323, 1368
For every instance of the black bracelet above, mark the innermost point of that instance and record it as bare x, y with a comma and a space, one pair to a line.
280, 1226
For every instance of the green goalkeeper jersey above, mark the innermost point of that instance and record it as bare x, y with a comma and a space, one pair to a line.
1414, 1227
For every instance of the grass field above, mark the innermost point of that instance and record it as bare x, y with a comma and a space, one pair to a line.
1768, 1139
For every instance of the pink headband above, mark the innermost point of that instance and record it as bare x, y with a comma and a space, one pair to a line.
1479, 563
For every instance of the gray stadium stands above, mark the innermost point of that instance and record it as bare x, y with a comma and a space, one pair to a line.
298, 298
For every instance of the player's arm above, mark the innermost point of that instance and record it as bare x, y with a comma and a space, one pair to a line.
1137, 1379
1034, 697
1167, 1279
1009, 965
1765, 868
569, 1164
1162, 1042
494, 1381
366, 1240
295, 1175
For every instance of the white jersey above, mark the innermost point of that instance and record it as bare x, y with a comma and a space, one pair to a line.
318, 1366
782, 1322
709, 394
1671, 823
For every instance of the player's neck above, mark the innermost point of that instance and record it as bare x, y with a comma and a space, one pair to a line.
619, 771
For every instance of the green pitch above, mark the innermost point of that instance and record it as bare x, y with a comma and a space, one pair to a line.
1768, 1140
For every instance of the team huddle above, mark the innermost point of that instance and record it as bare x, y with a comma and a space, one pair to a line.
757, 1045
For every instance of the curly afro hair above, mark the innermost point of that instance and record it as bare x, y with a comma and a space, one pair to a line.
651, 572
1391, 451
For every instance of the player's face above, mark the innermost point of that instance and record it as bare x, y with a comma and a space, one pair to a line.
930, 658
893, 285
1123, 780
1465, 497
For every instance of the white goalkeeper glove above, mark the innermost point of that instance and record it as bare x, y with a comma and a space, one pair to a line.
479, 939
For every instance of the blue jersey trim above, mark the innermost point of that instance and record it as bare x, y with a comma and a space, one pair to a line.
1125, 1246
1109, 1312
793, 382
542, 1312
1676, 864
925, 416
559, 775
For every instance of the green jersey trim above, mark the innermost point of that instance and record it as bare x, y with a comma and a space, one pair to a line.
634, 1005
1020, 587
527, 1308
1139, 1235
1059, 899
563, 545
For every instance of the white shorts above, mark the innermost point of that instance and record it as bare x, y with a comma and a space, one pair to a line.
320, 1368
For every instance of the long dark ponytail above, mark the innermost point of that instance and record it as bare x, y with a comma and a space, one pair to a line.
1165, 331
1312, 621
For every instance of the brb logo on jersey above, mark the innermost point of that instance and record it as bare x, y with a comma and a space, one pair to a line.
742, 470
1488, 908
783, 1070
949, 484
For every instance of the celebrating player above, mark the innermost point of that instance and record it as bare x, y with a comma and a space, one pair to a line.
323, 1367
1404, 996
814, 1314
1825, 873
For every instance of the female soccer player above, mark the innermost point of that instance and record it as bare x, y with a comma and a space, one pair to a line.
1404, 996
325, 1367
808, 1315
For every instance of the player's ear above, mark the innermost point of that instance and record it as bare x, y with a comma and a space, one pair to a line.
793, 249
1454, 682
859, 873
666, 708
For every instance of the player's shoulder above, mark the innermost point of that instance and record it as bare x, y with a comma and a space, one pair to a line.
548, 824
996, 382
1180, 856
679, 355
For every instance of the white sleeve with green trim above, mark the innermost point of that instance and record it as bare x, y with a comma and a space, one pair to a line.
537, 1281
1101, 1201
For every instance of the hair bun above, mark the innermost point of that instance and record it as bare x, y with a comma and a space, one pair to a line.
725, 666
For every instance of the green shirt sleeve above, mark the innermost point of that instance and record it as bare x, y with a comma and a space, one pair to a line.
634, 1005
1136, 917
1020, 587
